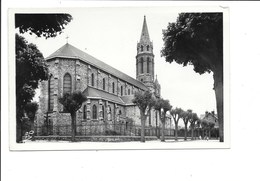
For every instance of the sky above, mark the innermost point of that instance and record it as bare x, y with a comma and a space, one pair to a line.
111, 35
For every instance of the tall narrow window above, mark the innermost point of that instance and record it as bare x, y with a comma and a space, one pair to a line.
94, 112
147, 47
92, 80
128, 91
148, 61
103, 112
142, 65
122, 91
113, 87
84, 112
51, 93
142, 48
104, 84
156, 116
67, 83
150, 120
109, 117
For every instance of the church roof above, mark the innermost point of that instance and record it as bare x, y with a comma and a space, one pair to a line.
69, 51
144, 35
99, 94
128, 99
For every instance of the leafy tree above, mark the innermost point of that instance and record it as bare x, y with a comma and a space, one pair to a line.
31, 109
30, 69
192, 119
176, 114
46, 25
162, 106
144, 102
30, 65
186, 116
72, 103
197, 39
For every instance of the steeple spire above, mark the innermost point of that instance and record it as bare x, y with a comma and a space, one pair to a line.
145, 35
145, 59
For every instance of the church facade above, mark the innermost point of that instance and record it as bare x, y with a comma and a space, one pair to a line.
109, 91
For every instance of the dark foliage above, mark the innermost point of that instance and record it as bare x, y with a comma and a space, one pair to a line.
46, 25
72, 101
31, 109
197, 39
144, 100
30, 69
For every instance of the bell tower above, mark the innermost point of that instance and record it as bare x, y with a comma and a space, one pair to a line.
145, 59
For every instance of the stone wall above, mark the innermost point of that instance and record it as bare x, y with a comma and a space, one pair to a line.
80, 73
134, 113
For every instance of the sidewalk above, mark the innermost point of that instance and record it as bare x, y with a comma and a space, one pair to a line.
135, 145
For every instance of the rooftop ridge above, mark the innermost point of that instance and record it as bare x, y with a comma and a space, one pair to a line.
70, 51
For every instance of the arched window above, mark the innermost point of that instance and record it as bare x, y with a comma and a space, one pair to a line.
142, 48
148, 61
122, 93
67, 83
85, 112
142, 65
92, 80
147, 47
51, 93
128, 91
104, 84
94, 112
120, 112
113, 87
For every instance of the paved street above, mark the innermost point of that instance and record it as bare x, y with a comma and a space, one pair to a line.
156, 144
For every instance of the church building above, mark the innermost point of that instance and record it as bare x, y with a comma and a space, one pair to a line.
109, 91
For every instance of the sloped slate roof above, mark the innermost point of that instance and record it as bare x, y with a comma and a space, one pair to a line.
128, 99
96, 93
69, 51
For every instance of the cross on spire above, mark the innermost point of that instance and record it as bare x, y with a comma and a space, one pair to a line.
67, 37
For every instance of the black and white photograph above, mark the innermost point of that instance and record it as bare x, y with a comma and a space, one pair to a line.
129, 90
121, 75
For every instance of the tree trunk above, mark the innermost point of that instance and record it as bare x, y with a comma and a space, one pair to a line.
32, 123
18, 131
192, 133
143, 118
218, 87
73, 126
19, 115
185, 132
163, 128
176, 131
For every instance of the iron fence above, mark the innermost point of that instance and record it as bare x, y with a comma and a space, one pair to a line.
100, 129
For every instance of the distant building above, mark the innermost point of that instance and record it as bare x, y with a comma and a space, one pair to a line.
210, 117
109, 91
